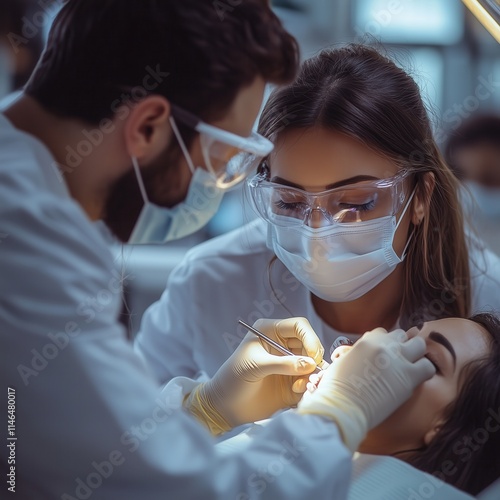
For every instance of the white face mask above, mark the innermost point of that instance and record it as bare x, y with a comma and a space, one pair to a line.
159, 224
487, 199
341, 262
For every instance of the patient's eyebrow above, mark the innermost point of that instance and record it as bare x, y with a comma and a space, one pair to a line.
441, 339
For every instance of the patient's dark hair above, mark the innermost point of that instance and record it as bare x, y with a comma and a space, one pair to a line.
465, 451
99, 48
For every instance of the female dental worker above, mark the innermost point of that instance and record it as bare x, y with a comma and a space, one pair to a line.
83, 416
361, 225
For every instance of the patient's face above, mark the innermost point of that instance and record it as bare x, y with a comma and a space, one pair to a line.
451, 344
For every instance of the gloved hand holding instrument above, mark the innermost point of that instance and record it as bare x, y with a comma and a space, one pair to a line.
256, 381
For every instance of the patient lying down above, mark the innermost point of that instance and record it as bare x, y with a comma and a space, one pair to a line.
450, 427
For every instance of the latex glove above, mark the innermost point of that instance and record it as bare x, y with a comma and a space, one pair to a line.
256, 381
368, 382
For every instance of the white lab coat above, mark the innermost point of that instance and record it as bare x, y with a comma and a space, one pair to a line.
227, 279
91, 422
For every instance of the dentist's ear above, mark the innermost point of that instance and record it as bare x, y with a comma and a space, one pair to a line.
422, 199
147, 129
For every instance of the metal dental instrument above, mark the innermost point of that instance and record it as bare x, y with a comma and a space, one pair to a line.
274, 344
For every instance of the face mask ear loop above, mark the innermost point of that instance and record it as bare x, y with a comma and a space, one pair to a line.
142, 188
406, 207
403, 255
182, 144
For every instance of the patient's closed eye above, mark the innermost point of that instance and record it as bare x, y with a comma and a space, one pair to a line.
439, 338
432, 359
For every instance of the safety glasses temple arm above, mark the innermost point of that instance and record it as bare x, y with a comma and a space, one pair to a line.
254, 144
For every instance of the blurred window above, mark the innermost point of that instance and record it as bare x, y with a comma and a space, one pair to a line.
429, 22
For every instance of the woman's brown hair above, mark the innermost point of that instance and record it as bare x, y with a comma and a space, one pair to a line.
359, 92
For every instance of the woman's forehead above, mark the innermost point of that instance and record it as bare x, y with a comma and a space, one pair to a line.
318, 157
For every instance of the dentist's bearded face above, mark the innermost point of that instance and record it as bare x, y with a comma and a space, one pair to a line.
166, 180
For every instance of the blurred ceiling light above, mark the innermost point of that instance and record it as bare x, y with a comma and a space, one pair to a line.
487, 13
408, 22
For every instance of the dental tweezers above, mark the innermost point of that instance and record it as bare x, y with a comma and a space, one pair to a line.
272, 343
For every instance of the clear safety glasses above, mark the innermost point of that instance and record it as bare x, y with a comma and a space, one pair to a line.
228, 157
363, 201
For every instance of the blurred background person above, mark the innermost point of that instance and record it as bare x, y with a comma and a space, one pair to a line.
473, 152
24, 26
20, 46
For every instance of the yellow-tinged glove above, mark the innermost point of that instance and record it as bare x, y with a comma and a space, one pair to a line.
257, 380
366, 384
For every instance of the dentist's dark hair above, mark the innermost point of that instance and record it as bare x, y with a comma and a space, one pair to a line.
363, 94
200, 54
105, 54
464, 452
